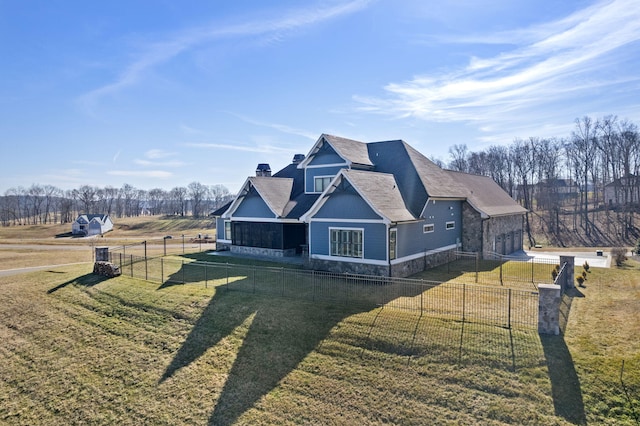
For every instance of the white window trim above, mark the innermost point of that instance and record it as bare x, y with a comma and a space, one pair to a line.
452, 223
338, 228
395, 249
227, 237
424, 228
330, 177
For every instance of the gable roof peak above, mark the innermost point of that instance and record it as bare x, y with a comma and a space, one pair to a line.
352, 151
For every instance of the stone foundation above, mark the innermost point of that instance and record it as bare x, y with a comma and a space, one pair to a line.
428, 261
399, 270
346, 267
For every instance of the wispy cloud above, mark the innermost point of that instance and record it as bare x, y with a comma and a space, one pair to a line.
158, 153
148, 163
232, 147
550, 64
160, 52
279, 127
161, 174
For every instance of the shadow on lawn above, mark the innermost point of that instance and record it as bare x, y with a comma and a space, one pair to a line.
283, 331
280, 335
565, 384
87, 280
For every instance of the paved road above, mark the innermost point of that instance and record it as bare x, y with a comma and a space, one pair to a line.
45, 246
9, 272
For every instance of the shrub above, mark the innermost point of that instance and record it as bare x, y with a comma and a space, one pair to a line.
586, 266
580, 280
619, 254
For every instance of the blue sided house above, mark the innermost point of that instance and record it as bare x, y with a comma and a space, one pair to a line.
377, 208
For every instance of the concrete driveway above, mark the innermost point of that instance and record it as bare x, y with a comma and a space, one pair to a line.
590, 257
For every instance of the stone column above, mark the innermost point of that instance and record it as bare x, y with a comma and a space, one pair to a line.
102, 254
569, 275
549, 298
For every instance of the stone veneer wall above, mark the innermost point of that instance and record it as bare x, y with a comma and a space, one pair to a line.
220, 246
500, 225
471, 229
346, 267
428, 261
400, 270
259, 251
479, 234
549, 298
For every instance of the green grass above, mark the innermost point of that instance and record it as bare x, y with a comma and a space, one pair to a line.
80, 349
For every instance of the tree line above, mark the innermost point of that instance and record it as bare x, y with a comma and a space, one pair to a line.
42, 204
587, 182
591, 176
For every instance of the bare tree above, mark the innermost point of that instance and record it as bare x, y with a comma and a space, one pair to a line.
583, 141
459, 160
178, 196
87, 196
523, 158
197, 192
156, 198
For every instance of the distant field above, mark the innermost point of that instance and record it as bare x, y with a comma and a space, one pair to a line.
124, 228
80, 349
31, 245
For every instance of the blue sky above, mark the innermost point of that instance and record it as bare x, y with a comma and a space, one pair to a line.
164, 93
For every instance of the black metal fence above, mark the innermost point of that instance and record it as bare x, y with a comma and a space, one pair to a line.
501, 306
496, 268
178, 244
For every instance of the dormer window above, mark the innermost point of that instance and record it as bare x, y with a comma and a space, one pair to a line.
321, 183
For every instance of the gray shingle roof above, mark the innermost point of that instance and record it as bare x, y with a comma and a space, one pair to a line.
485, 195
381, 191
354, 151
275, 191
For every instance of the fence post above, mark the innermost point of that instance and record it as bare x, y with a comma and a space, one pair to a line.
121, 261
549, 299
509, 310
205, 276
182, 272
477, 265
464, 294
131, 259
161, 270
532, 278
421, 298
501, 283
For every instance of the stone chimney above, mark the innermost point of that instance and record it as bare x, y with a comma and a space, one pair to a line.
263, 169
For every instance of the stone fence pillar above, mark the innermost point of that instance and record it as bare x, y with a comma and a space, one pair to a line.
569, 275
102, 254
549, 298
